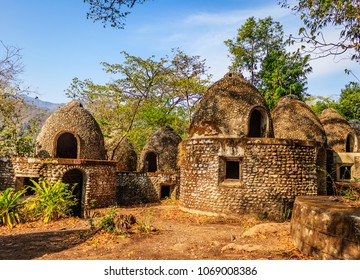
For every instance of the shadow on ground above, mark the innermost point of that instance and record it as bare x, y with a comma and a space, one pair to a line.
34, 245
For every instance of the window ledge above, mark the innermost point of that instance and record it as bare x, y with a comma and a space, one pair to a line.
228, 183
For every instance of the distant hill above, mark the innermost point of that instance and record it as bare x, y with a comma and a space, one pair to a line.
38, 103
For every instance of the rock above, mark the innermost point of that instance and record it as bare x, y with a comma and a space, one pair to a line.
244, 247
266, 229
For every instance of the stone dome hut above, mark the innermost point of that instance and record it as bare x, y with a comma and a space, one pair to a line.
71, 132
125, 156
341, 137
232, 164
232, 107
294, 119
160, 152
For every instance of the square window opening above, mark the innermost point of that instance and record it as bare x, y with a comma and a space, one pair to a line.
345, 173
232, 170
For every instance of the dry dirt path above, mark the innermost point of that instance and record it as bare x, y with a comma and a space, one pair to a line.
176, 235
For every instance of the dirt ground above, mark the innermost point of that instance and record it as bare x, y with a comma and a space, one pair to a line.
173, 234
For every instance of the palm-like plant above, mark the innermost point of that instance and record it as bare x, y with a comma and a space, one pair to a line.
51, 201
10, 207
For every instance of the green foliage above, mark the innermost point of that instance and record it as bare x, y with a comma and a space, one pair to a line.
317, 15
147, 94
320, 103
51, 201
107, 222
17, 137
259, 50
11, 207
349, 103
111, 11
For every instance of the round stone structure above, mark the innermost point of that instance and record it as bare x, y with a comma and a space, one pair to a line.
125, 156
340, 135
161, 151
294, 119
71, 132
231, 107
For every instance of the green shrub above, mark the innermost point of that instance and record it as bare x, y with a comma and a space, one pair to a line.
10, 207
51, 201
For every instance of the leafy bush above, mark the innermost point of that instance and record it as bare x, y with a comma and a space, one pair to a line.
51, 201
10, 207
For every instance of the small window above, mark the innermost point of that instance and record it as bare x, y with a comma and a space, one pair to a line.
345, 173
232, 169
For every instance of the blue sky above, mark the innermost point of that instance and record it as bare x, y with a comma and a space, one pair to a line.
58, 43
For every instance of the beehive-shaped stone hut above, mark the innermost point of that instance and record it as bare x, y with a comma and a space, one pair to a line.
294, 119
125, 156
232, 164
340, 135
355, 125
160, 152
71, 132
232, 107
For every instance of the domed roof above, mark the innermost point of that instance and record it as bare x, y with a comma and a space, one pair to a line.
71, 132
161, 150
125, 155
294, 119
337, 130
226, 109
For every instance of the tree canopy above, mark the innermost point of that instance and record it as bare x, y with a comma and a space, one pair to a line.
16, 137
145, 95
317, 15
111, 12
259, 50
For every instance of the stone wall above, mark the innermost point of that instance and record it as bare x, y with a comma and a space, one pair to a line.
98, 177
272, 173
326, 229
141, 187
6, 174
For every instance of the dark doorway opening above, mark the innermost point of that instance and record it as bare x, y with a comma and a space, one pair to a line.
75, 177
25, 183
67, 146
232, 170
151, 162
257, 125
165, 191
349, 144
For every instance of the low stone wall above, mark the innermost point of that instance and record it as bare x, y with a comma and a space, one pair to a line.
140, 187
326, 229
273, 173
98, 180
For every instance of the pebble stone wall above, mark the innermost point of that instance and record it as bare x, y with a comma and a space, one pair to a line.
99, 176
273, 172
141, 187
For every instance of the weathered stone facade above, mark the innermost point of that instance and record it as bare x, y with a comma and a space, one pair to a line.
272, 173
97, 178
141, 187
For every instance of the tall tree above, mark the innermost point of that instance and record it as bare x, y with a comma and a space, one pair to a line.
147, 94
317, 15
16, 137
349, 103
111, 12
260, 50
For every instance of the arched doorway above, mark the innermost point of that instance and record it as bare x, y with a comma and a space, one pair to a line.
66, 146
151, 162
72, 177
257, 124
349, 144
